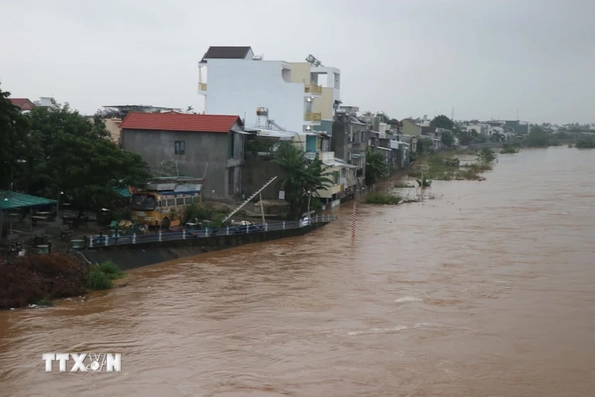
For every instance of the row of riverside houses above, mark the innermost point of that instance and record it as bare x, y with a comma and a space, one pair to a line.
249, 100
252, 103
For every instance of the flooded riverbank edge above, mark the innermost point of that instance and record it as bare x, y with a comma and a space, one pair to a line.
129, 257
36, 280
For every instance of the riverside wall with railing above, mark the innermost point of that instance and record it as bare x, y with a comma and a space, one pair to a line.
134, 251
94, 242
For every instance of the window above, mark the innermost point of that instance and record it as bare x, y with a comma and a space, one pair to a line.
180, 147
142, 202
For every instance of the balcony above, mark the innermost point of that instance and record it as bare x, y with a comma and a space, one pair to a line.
313, 89
322, 155
310, 116
202, 88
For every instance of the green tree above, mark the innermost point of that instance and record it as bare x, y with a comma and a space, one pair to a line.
376, 167
447, 139
71, 154
424, 146
442, 121
301, 177
14, 128
465, 138
537, 137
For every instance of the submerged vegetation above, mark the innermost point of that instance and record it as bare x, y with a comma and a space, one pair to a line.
401, 185
382, 198
585, 143
424, 182
508, 148
443, 168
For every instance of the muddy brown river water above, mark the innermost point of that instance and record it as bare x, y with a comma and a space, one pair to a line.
486, 290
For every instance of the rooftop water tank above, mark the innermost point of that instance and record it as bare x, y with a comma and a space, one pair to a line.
262, 111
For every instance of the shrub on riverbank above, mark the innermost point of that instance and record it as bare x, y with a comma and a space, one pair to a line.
40, 278
382, 198
585, 143
101, 276
204, 212
509, 148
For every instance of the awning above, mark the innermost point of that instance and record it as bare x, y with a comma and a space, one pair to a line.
10, 200
123, 191
242, 132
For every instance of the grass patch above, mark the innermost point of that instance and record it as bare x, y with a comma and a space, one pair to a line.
101, 276
98, 280
112, 270
44, 302
381, 198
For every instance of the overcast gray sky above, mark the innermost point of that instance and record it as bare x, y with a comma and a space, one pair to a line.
485, 59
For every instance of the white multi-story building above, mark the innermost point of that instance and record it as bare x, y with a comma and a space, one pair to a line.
298, 95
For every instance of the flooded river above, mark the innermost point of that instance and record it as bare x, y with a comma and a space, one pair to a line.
486, 290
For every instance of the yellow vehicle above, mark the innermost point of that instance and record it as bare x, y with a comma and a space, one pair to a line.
164, 200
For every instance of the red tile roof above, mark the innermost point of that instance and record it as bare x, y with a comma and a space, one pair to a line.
23, 103
173, 121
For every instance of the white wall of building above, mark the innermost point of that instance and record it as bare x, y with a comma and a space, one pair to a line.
239, 87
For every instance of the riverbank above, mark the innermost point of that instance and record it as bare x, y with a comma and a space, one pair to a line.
38, 279
443, 166
129, 257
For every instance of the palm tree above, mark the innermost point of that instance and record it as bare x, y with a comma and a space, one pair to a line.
301, 176
376, 166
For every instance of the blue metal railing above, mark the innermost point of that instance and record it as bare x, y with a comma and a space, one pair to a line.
104, 241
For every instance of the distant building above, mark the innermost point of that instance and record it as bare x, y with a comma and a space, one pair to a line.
410, 127
45, 102
239, 82
210, 146
23, 103
519, 127
349, 142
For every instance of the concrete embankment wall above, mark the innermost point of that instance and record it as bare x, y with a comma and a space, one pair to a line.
144, 254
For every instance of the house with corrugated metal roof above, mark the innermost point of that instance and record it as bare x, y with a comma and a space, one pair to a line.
200, 145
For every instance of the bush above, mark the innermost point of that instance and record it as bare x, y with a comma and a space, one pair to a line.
112, 270
508, 148
585, 143
380, 198
98, 280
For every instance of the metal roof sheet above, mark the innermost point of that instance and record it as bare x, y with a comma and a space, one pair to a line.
10, 200
123, 191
